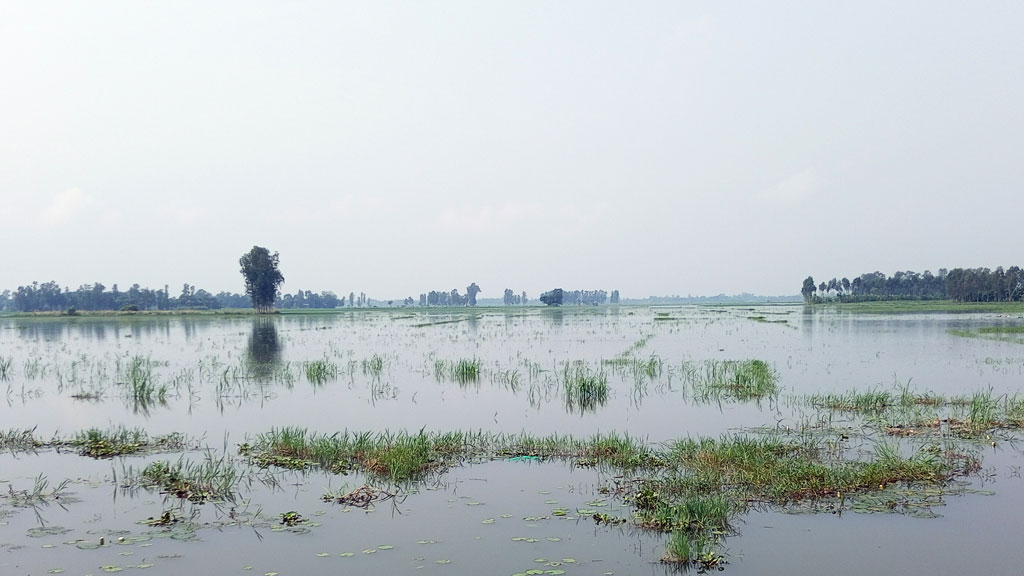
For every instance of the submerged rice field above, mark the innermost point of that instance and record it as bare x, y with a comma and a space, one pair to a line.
611, 440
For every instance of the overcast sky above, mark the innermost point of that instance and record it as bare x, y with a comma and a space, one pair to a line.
394, 148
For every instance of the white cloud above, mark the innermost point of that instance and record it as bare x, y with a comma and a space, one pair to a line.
65, 206
794, 189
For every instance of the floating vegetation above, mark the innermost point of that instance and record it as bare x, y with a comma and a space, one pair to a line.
293, 518
98, 443
362, 497
214, 478
731, 379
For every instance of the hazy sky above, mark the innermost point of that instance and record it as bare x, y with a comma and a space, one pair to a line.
394, 148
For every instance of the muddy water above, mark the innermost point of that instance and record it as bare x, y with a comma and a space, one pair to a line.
228, 378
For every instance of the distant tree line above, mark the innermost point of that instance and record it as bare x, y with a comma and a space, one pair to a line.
960, 284
453, 298
558, 297
513, 299
49, 296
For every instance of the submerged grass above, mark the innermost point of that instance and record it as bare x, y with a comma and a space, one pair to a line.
141, 387
731, 379
905, 412
585, 388
463, 371
20, 440
374, 365
213, 478
400, 457
321, 371
772, 470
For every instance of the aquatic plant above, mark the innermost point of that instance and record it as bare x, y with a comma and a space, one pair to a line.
373, 366
584, 388
141, 386
39, 494
213, 478
463, 371
119, 441
20, 440
734, 379
320, 371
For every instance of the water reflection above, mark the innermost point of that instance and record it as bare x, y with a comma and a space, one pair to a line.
554, 314
264, 348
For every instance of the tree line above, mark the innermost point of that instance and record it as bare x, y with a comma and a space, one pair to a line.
49, 296
558, 297
453, 298
960, 284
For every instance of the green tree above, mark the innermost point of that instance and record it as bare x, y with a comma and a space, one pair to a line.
808, 290
471, 291
552, 298
262, 277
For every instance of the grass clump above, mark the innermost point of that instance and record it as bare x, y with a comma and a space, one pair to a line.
21, 440
775, 471
373, 366
396, 457
120, 441
5, 367
403, 456
214, 478
39, 495
321, 371
140, 383
464, 370
732, 379
698, 549
585, 389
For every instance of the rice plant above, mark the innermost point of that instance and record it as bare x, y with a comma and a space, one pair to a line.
464, 370
140, 383
585, 389
21, 440
5, 367
213, 478
373, 366
321, 371
733, 379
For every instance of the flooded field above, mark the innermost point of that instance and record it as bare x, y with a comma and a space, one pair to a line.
755, 440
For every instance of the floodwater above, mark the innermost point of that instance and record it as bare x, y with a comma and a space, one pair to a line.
230, 378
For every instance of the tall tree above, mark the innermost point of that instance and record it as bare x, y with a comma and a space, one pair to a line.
263, 279
808, 289
471, 291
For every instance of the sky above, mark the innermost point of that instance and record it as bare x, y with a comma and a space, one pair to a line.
395, 148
